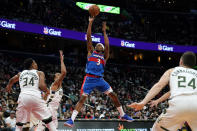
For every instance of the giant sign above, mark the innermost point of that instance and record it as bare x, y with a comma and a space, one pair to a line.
69, 34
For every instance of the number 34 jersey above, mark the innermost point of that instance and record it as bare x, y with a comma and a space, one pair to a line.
29, 83
183, 81
95, 64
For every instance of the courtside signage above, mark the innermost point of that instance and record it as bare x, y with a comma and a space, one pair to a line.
69, 34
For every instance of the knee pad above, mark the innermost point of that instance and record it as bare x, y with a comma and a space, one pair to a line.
19, 124
48, 120
26, 129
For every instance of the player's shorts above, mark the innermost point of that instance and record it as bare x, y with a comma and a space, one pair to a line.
181, 109
28, 104
91, 83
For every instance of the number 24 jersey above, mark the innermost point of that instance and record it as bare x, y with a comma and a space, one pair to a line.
183, 81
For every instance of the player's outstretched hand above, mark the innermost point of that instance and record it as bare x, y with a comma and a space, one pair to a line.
8, 89
154, 103
61, 55
91, 19
137, 106
104, 26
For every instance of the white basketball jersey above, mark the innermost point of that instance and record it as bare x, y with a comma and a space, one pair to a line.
57, 98
183, 81
29, 83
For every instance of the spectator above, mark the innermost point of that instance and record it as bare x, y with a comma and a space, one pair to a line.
3, 126
11, 121
88, 116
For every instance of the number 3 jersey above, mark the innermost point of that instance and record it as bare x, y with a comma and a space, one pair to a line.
95, 64
183, 81
29, 83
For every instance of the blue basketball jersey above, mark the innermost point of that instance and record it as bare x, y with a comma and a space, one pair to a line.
95, 64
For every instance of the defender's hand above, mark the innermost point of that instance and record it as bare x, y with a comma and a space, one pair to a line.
46, 95
8, 89
104, 27
61, 55
137, 106
91, 19
154, 103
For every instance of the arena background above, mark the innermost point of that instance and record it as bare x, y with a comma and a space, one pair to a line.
166, 25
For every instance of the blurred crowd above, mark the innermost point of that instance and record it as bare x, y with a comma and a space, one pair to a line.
132, 23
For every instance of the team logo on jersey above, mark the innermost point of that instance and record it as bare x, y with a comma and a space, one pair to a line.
165, 48
51, 31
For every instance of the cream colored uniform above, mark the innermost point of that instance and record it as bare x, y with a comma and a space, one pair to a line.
30, 100
53, 107
182, 103
54, 104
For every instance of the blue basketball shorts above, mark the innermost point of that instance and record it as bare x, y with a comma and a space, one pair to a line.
91, 83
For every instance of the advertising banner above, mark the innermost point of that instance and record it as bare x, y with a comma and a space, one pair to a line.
107, 126
69, 34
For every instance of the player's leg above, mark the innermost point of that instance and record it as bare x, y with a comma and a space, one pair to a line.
42, 112
86, 89
26, 126
22, 113
78, 107
191, 115
40, 126
193, 125
167, 122
173, 117
104, 87
54, 114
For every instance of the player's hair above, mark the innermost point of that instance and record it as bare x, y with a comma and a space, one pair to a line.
27, 63
189, 59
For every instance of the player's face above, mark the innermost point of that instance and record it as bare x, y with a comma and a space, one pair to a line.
34, 65
57, 75
99, 48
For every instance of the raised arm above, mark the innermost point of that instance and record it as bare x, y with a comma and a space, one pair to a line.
11, 82
106, 41
57, 82
164, 80
42, 84
161, 99
90, 48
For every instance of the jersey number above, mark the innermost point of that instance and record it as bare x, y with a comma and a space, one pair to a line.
182, 80
31, 81
98, 62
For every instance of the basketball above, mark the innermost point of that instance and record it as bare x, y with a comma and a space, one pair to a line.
94, 10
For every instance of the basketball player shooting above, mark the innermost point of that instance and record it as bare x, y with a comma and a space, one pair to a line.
183, 96
96, 60
31, 82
